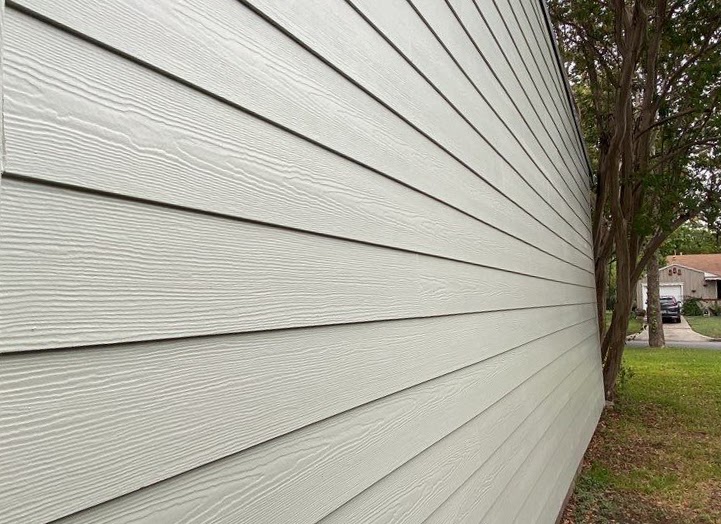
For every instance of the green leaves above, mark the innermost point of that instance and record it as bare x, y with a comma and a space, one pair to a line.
670, 158
690, 239
647, 77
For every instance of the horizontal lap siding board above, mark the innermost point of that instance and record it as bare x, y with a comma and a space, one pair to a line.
270, 264
303, 476
558, 468
510, 40
260, 69
555, 62
348, 42
539, 38
526, 47
181, 404
416, 489
537, 489
459, 48
531, 46
539, 17
539, 14
481, 498
85, 269
2, 96
535, 15
534, 30
136, 133
456, 24
483, 36
398, 21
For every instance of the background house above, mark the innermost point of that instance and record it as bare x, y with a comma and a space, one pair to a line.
697, 276
277, 262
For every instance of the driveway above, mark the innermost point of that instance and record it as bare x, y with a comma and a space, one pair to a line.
677, 335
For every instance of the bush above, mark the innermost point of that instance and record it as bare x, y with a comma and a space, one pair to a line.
715, 309
692, 307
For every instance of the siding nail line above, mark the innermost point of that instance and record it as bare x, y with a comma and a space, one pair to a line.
49, 21
236, 453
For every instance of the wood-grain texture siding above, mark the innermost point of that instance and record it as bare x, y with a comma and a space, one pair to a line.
272, 262
2, 97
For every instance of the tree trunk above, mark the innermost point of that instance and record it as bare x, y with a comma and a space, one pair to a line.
614, 356
615, 339
653, 308
601, 273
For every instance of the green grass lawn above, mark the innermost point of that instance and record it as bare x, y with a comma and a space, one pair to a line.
709, 326
634, 325
656, 455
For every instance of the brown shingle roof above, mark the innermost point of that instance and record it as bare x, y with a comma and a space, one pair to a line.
706, 263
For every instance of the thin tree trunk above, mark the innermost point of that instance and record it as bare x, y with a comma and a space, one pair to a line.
656, 337
615, 339
601, 272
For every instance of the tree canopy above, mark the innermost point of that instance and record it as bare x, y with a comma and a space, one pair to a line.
691, 239
647, 80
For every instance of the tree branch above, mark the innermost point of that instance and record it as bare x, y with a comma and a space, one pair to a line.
656, 242
673, 77
667, 119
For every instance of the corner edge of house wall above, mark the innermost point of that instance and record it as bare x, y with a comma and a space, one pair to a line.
567, 498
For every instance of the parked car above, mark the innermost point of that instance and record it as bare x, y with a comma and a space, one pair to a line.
670, 309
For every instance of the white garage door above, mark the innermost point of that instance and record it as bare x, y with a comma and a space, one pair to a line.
674, 290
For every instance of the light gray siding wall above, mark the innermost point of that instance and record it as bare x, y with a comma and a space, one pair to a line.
272, 261
2, 97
